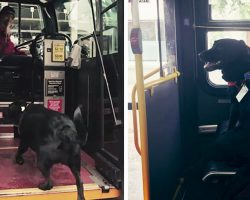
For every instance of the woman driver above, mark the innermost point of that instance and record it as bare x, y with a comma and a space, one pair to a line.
7, 47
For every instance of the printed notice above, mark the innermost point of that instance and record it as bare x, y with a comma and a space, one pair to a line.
58, 51
55, 87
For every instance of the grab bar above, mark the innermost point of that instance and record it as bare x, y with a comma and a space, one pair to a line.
149, 85
162, 80
134, 108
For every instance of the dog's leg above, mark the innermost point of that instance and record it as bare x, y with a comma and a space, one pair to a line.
45, 169
75, 167
21, 150
79, 184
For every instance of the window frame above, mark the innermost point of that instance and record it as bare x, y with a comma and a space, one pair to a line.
202, 25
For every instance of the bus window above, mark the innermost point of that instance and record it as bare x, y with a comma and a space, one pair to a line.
107, 3
229, 10
226, 14
75, 19
31, 22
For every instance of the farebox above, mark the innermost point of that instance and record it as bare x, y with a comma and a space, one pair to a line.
54, 74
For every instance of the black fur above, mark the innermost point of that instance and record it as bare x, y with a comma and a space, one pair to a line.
229, 55
232, 57
53, 136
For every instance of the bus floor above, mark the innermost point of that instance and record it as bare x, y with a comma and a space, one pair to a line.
18, 180
197, 190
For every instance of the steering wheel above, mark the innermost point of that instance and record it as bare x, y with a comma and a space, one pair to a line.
19, 46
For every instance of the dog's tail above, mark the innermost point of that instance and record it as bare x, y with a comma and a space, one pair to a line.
81, 125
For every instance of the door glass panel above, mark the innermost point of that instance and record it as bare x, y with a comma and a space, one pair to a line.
110, 37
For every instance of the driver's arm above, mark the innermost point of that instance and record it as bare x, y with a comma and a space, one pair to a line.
9, 49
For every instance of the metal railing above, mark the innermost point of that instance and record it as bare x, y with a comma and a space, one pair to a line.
151, 85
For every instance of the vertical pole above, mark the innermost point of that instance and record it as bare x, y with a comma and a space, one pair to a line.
136, 45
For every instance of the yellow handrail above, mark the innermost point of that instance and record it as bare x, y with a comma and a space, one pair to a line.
143, 126
149, 85
134, 108
162, 80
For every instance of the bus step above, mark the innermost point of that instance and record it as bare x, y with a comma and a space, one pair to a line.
6, 131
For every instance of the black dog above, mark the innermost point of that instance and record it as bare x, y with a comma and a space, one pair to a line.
53, 136
232, 57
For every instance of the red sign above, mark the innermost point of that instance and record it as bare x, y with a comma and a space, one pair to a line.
55, 104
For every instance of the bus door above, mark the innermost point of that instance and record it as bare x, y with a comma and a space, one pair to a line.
97, 84
161, 86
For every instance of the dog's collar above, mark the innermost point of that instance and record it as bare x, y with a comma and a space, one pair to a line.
232, 84
239, 83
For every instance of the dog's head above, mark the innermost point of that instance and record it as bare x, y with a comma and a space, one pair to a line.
15, 110
230, 56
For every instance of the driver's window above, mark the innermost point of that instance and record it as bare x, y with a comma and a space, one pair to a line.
31, 22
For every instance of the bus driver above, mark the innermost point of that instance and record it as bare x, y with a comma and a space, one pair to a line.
7, 47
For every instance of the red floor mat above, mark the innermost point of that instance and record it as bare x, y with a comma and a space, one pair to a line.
15, 176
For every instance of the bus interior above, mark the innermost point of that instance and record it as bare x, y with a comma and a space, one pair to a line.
95, 84
186, 105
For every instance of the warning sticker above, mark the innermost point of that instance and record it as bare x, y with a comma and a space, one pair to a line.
58, 51
54, 87
55, 104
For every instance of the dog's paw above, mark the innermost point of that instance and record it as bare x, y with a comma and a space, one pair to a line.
46, 186
19, 160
